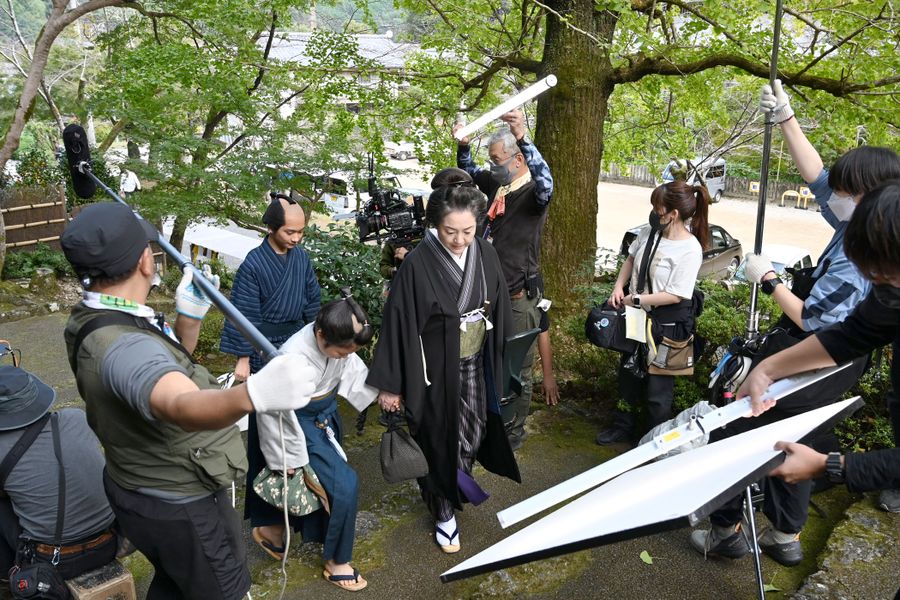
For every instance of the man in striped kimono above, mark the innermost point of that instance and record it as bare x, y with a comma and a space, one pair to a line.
276, 289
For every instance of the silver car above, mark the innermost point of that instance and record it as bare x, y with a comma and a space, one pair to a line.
719, 262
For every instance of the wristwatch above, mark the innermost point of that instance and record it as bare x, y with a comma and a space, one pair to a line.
635, 300
768, 286
834, 470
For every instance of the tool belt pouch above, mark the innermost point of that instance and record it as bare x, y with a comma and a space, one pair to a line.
673, 357
534, 285
31, 578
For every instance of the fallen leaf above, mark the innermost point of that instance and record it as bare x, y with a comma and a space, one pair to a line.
645, 556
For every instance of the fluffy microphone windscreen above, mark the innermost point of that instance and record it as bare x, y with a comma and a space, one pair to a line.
77, 151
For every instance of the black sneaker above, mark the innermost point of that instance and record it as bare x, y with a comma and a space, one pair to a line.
717, 542
613, 435
787, 554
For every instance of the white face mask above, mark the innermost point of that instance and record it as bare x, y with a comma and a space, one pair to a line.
841, 206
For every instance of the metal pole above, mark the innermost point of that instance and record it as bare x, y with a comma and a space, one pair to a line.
753, 541
247, 329
752, 319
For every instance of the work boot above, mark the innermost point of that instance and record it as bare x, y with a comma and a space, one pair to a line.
613, 435
727, 542
783, 548
889, 500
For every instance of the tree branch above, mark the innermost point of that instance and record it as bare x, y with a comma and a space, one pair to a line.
639, 66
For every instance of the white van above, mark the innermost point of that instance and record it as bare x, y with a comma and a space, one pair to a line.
712, 170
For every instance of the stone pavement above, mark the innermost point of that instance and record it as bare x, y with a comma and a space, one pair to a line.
395, 550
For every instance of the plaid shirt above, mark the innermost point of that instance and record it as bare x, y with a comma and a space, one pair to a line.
540, 172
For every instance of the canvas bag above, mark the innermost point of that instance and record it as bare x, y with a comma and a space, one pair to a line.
305, 492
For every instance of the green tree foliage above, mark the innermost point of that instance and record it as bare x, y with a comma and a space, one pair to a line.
224, 118
658, 77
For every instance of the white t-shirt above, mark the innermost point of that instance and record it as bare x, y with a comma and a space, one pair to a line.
674, 266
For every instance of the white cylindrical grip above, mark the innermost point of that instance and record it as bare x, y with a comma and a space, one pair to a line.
516, 101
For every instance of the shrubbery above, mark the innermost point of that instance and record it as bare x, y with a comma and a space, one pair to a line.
20, 265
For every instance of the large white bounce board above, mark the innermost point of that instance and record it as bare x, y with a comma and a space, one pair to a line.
672, 493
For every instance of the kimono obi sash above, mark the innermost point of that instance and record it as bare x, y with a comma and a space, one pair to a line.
471, 339
280, 330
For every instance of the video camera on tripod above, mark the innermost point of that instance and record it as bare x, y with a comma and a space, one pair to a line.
387, 216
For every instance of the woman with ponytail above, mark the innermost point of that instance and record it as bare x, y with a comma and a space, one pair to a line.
660, 274
312, 436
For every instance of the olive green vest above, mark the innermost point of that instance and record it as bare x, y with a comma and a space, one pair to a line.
143, 454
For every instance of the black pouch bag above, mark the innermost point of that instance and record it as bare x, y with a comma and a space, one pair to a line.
401, 457
37, 580
605, 328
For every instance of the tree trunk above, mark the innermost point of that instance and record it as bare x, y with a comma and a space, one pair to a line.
58, 20
570, 134
177, 238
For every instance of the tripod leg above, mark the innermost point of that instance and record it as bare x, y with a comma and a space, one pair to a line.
753, 541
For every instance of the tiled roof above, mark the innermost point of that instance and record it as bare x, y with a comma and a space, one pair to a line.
291, 46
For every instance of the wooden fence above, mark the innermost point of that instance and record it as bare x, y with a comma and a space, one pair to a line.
33, 215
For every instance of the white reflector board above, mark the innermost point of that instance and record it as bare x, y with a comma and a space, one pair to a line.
669, 494
653, 449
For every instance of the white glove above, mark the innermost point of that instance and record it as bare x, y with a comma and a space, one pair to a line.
757, 266
776, 102
190, 300
285, 383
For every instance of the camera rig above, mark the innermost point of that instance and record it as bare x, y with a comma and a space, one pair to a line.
387, 216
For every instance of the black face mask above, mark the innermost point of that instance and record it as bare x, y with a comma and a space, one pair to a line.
887, 295
655, 224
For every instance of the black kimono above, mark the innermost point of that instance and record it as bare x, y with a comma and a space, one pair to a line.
418, 357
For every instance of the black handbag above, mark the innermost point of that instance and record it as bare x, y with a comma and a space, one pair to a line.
605, 328
401, 457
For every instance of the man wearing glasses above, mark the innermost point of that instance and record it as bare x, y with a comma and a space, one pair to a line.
518, 185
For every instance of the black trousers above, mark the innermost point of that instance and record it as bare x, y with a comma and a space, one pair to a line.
196, 548
69, 566
786, 505
655, 391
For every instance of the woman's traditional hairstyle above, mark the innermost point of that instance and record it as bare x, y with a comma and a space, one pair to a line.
692, 203
336, 322
872, 239
862, 169
451, 176
274, 215
447, 199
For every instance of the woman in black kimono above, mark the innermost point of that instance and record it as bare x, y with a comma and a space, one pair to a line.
439, 356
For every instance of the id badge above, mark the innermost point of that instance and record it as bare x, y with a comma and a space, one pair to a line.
636, 324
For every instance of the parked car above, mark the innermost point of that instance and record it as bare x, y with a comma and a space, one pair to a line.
782, 257
719, 262
401, 150
713, 171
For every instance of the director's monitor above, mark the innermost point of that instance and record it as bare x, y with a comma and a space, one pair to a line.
669, 494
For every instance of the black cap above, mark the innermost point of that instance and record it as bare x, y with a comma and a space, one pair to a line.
23, 398
106, 240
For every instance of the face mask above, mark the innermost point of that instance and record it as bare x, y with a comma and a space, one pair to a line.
655, 224
501, 174
887, 295
841, 206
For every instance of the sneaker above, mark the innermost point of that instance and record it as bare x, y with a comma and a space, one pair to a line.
889, 500
788, 553
613, 435
727, 542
